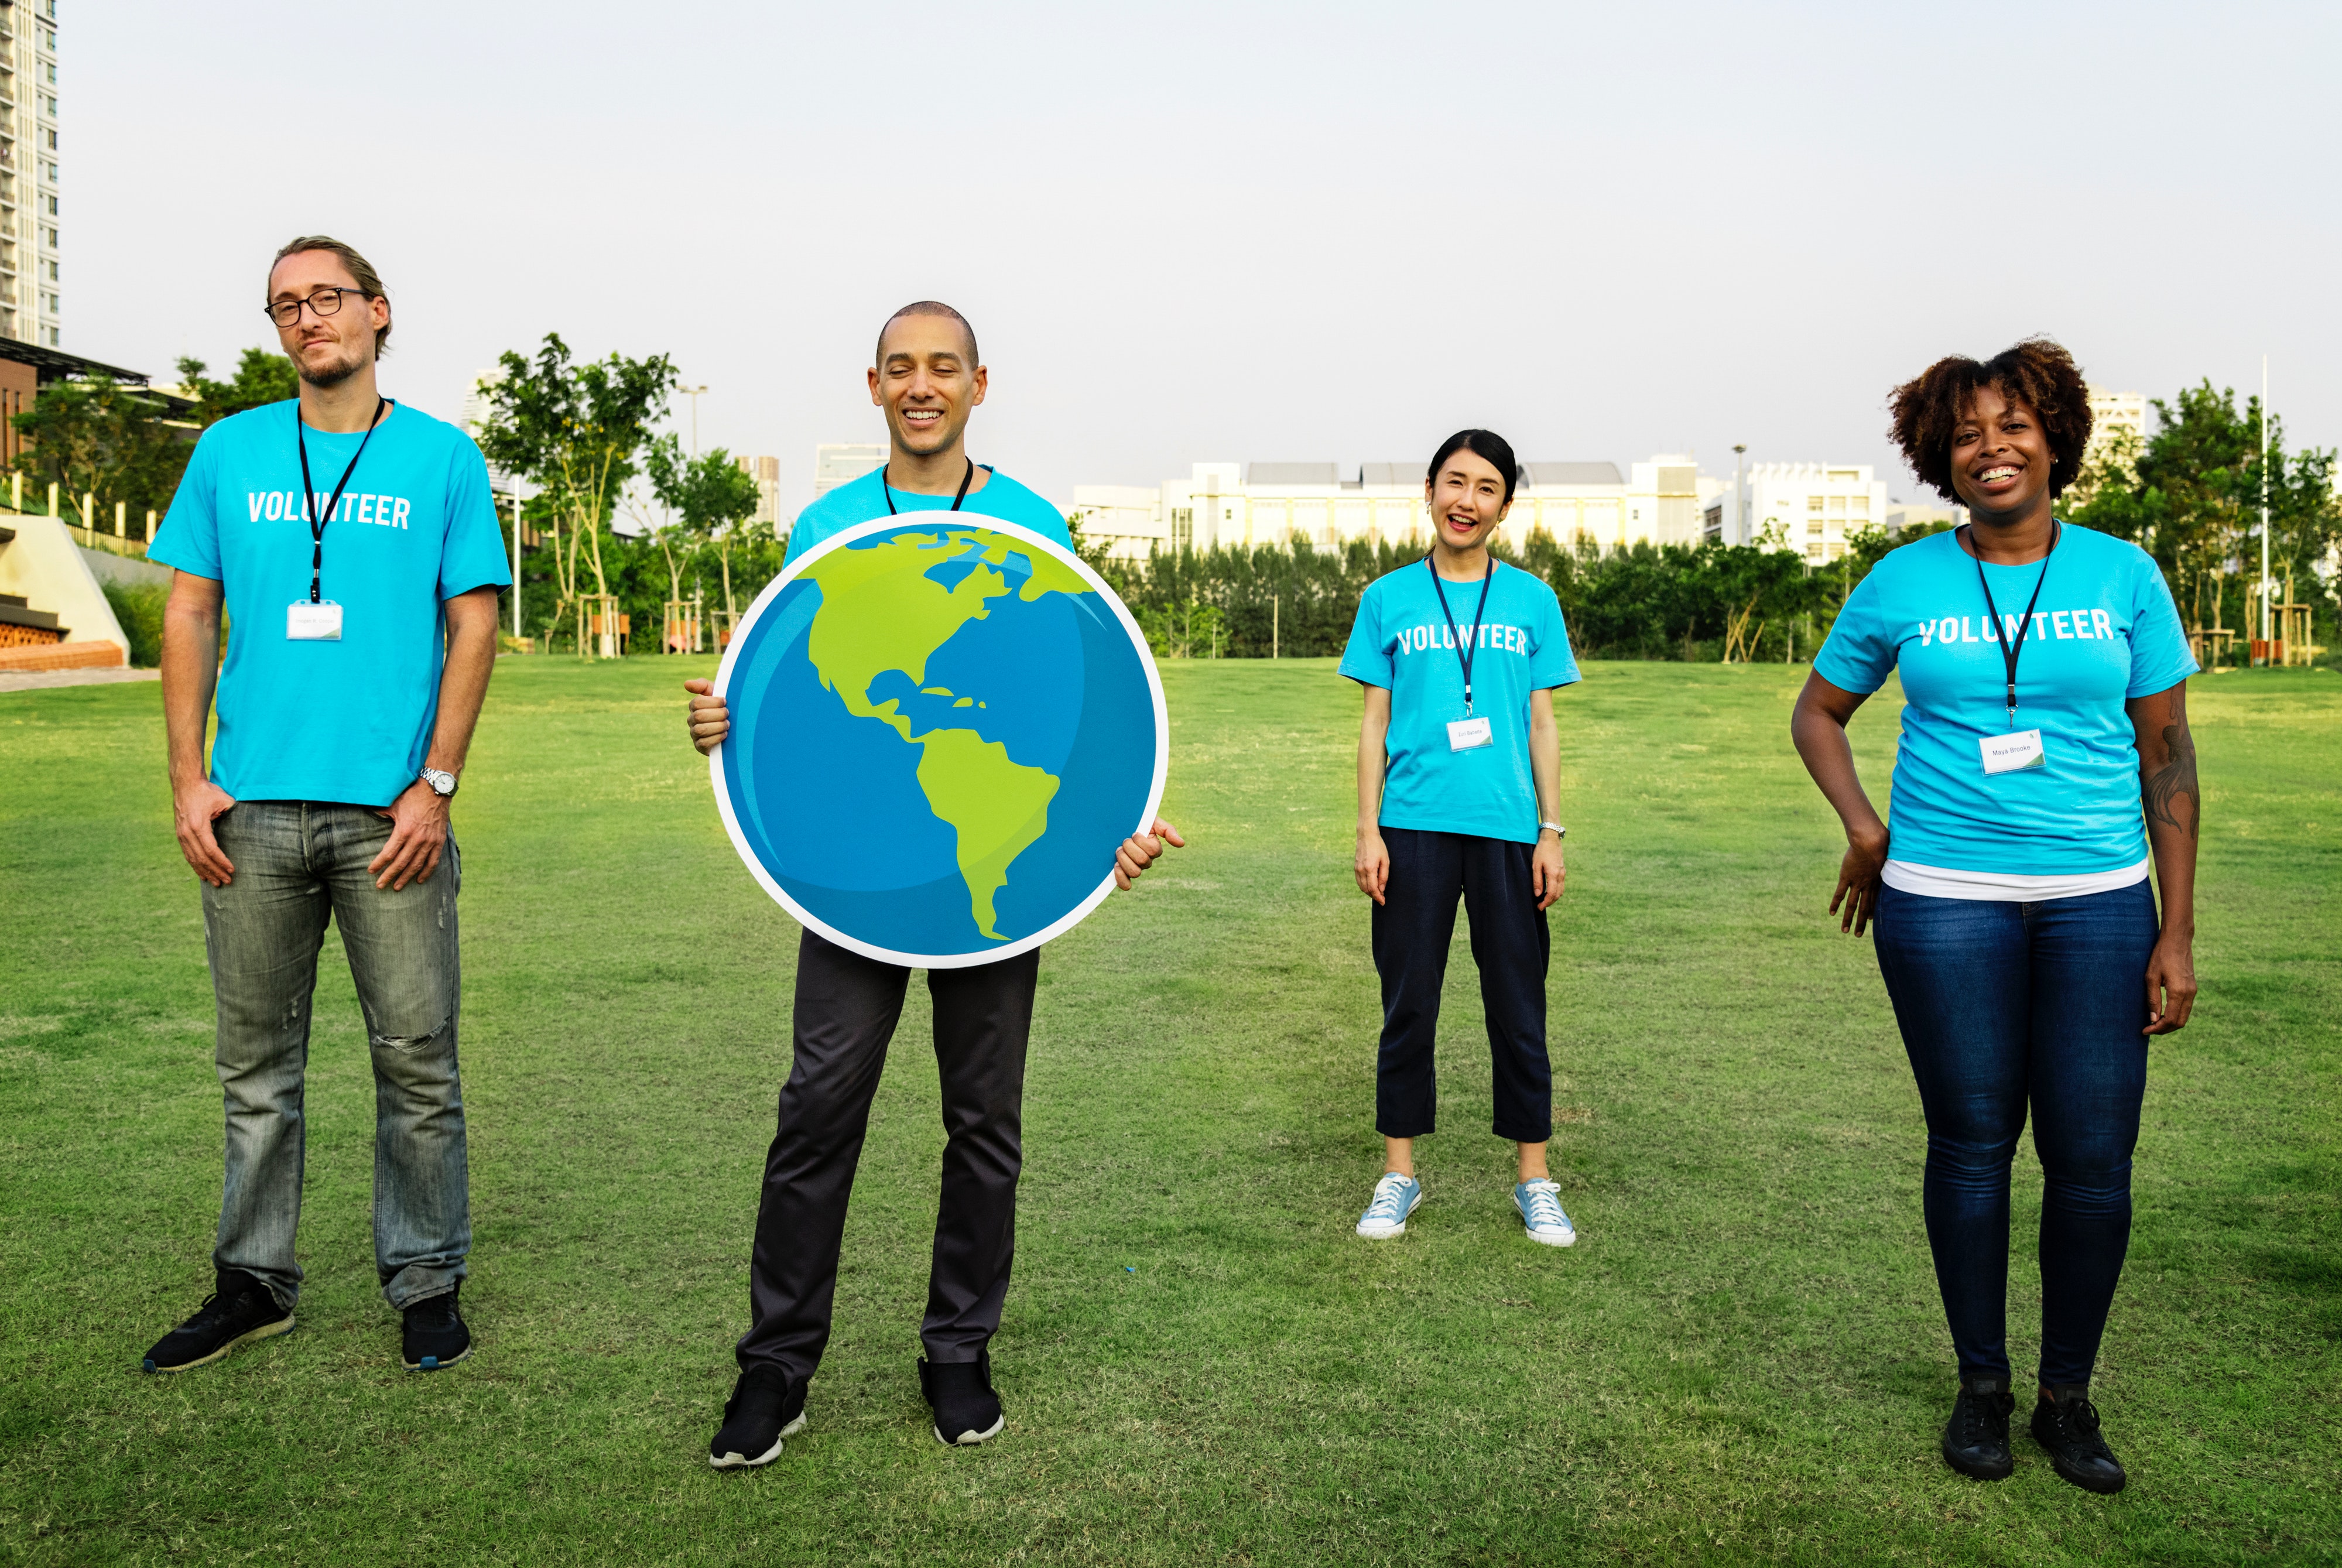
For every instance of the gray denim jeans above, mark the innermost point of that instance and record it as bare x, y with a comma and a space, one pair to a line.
298, 864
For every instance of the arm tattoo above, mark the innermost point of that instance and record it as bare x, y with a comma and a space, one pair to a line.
2163, 788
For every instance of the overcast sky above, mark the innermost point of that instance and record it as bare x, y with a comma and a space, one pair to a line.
1248, 232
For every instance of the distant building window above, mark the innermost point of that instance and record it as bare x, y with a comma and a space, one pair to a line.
1813, 502
1838, 504
1812, 552
1815, 528
1860, 505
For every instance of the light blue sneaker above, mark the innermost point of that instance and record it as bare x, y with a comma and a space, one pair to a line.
1539, 1202
1395, 1197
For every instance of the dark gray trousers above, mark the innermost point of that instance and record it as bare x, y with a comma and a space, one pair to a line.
846, 1009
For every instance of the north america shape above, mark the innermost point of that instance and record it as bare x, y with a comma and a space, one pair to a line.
941, 731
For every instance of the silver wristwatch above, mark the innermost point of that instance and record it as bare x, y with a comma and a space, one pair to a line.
443, 784
1554, 828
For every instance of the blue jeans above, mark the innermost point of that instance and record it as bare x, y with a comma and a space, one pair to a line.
299, 864
2005, 1006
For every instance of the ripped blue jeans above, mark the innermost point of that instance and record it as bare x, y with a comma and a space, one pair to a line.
299, 864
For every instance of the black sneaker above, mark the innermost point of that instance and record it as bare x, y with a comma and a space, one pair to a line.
1976, 1440
766, 1406
2065, 1425
434, 1335
960, 1392
238, 1311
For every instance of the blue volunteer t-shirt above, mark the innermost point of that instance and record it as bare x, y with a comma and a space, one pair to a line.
347, 721
2105, 631
866, 498
1401, 642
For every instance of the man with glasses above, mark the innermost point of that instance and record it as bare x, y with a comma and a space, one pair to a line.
355, 549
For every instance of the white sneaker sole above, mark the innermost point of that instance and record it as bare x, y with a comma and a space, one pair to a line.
971, 1437
1554, 1238
735, 1460
1377, 1232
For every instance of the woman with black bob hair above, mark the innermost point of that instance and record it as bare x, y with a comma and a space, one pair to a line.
1459, 782
2044, 748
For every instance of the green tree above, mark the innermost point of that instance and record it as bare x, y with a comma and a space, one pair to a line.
100, 436
2191, 499
575, 432
260, 377
712, 496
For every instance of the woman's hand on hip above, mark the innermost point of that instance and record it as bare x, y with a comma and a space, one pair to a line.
1372, 864
2170, 984
1857, 897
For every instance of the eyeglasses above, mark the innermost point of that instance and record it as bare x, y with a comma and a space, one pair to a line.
322, 303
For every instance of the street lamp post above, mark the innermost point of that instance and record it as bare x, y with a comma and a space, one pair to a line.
693, 392
1739, 495
515, 564
2267, 634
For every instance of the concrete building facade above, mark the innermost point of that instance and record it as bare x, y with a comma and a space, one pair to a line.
1812, 508
1243, 505
842, 463
766, 473
30, 277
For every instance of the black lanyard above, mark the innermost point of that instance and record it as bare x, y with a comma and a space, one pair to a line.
2009, 651
964, 481
309, 492
1464, 650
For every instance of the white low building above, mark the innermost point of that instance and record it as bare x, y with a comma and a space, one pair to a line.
1243, 505
1812, 508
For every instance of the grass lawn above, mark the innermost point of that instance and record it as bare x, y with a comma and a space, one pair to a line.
1742, 1360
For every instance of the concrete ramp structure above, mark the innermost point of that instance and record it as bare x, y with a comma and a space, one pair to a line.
53, 615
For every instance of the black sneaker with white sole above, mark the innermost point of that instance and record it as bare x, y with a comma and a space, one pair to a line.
766, 1406
239, 1312
960, 1392
2065, 1425
434, 1335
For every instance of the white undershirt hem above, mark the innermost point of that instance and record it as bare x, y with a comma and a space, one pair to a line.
2007, 887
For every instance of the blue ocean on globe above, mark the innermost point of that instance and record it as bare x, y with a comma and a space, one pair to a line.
941, 732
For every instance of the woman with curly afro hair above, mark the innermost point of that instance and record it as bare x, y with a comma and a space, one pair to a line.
2044, 749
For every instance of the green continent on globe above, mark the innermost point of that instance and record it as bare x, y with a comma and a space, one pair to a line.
881, 612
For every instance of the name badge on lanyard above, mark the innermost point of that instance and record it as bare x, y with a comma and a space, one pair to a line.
1464, 734
313, 622
2012, 753
317, 619
1467, 734
2018, 749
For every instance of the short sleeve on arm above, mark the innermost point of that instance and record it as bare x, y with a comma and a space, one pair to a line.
1858, 654
1366, 659
189, 537
2159, 655
1552, 664
473, 554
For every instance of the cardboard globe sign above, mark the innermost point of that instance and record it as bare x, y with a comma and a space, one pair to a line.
942, 727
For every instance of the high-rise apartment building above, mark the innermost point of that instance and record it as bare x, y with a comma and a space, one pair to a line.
29, 274
766, 473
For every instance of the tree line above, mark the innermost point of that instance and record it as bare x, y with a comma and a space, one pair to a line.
580, 435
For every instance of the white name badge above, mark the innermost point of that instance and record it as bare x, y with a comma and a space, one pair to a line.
1464, 734
2011, 752
308, 623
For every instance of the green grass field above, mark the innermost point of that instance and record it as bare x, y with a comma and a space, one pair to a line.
1742, 1360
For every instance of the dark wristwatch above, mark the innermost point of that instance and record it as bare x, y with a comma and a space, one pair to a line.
443, 784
